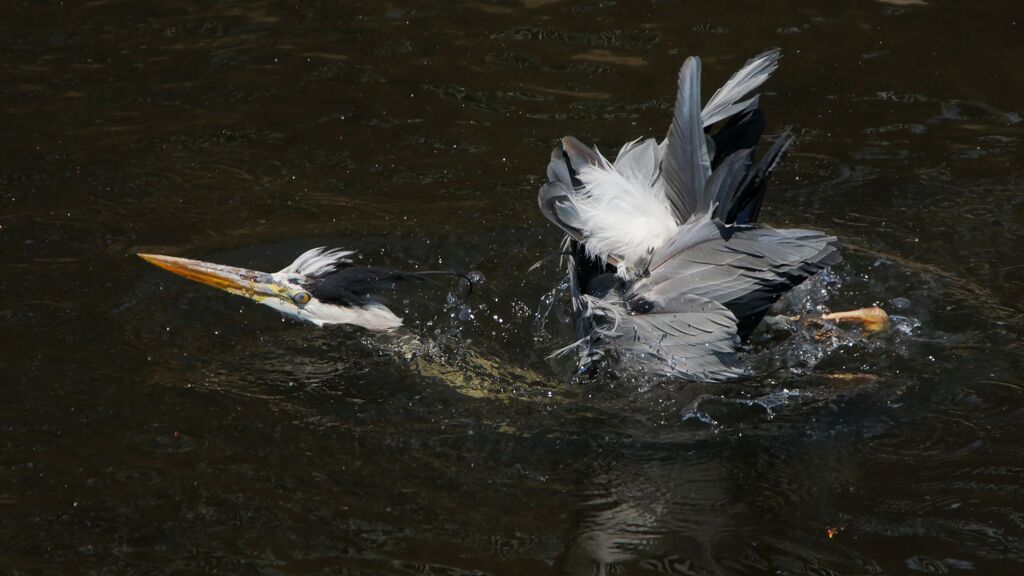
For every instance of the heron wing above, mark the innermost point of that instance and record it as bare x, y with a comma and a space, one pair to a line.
692, 338
688, 153
555, 197
745, 206
689, 337
727, 180
725, 102
556, 204
685, 163
744, 268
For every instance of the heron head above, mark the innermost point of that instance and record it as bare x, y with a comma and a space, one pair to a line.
295, 291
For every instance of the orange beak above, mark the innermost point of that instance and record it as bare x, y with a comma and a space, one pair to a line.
249, 283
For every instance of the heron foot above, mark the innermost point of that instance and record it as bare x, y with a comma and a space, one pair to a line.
872, 319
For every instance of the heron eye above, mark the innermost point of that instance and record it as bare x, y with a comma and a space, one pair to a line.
301, 298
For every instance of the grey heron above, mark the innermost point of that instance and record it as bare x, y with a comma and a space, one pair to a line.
669, 269
320, 287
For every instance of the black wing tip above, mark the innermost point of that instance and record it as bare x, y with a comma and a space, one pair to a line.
832, 254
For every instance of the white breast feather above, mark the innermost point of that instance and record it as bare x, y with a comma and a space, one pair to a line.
625, 214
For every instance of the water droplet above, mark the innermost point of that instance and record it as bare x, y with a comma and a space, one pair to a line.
900, 303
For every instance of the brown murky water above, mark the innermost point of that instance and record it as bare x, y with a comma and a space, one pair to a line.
148, 424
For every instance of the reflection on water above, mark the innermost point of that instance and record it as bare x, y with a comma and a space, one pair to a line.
152, 424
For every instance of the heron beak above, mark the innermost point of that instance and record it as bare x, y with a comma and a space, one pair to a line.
252, 284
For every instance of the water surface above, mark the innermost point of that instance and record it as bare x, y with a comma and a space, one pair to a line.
152, 425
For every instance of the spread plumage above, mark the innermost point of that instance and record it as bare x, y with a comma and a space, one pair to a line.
668, 268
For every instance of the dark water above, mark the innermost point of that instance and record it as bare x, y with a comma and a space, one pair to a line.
152, 425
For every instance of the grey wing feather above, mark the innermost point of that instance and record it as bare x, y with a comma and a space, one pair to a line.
744, 268
558, 169
692, 338
554, 203
688, 235
727, 180
686, 164
554, 197
726, 100
746, 206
